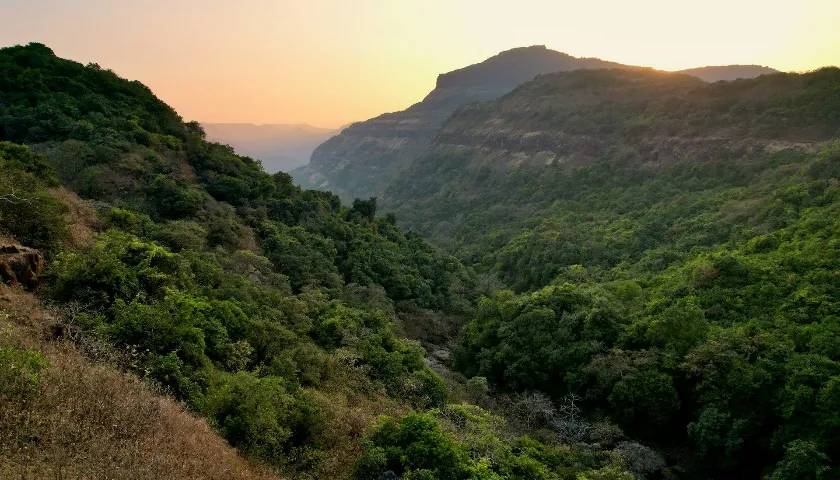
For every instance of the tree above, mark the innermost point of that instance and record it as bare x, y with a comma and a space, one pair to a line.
802, 461
363, 209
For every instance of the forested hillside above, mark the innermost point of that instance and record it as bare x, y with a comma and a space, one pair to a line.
650, 292
268, 309
367, 158
604, 167
364, 158
679, 243
271, 311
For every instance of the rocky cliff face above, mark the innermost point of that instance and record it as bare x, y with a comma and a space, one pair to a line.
20, 266
364, 158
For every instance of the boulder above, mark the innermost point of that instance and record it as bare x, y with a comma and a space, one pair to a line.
20, 265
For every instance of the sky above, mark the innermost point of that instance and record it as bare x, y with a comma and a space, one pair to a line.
330, 62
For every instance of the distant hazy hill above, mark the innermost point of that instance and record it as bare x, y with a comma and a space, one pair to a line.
281, 147
728, 72
363, 159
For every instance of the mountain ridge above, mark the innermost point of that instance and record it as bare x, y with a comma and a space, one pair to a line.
521, 62
361, 160
717, 73
531, 139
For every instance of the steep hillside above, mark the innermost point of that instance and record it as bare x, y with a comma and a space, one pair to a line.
89, 419
366, 156
272, 312
279, 147
269, 310
521, 171
676, 246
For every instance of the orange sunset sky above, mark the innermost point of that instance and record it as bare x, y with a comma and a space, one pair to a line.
328, 63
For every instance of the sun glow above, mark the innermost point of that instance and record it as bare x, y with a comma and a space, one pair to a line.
331, 62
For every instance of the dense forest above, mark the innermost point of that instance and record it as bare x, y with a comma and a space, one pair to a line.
648, 307
674, 246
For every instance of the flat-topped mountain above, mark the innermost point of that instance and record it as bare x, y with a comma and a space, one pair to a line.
363, 159
500, 73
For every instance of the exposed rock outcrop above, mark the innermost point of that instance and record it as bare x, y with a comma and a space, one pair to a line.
20, 265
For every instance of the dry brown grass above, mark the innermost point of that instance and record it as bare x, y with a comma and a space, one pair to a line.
351, 405
90, 420
82, 221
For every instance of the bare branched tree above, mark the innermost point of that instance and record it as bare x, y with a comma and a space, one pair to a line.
533, 410
569, 424
639, 459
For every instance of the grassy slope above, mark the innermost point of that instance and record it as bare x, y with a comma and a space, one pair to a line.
93, 420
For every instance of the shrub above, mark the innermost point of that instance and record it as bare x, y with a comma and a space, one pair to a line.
265, 417
20, 373
116, 266
180, 235
802, 461
174, 199
414, 444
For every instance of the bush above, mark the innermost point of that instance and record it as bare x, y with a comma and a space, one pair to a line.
20, 372
414, 445
116, 266
265, 417
802, 461
180, 235
175, 199
610, 472
423, 388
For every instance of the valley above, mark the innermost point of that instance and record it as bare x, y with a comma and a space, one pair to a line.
552, 267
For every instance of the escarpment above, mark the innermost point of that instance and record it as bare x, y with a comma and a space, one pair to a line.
366, 157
